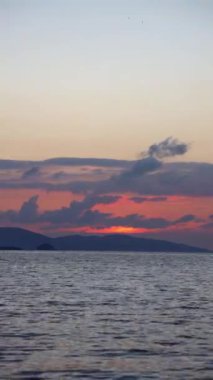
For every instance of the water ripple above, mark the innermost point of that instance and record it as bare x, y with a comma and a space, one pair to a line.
119, 316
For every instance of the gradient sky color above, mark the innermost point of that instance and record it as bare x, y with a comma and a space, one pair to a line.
106, 79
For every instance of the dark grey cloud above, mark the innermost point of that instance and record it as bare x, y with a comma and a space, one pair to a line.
101, 220
76, 212
58, 175
63, 161
209, 224
189, 179
169, 147
96, 219
186, 218
77, 161
151, 160
106, 199
139, 221
148, 199
28, 212
141, 167
32, 172
14, 164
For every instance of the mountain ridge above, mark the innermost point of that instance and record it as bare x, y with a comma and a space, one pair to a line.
29, 240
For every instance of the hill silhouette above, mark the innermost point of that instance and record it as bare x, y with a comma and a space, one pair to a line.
28, 240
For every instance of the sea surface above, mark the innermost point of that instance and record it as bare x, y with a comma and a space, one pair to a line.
106, 315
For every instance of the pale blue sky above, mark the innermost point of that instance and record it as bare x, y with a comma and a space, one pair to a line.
105, 78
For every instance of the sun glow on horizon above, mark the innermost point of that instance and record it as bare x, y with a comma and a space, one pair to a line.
119, 230
122, 229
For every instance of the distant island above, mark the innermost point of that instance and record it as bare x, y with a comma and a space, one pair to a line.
10, 248
45, 247
21, 239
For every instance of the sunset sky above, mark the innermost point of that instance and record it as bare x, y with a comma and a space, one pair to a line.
87, 86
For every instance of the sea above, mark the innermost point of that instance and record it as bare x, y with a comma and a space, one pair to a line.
106, 315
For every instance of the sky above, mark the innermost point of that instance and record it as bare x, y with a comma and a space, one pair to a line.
98, 82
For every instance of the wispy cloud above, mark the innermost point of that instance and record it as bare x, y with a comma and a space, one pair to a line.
169, 147
147, 199
33, 172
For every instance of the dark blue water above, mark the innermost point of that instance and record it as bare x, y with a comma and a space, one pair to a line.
80, 315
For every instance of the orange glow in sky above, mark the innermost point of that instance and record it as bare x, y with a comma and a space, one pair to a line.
173, 207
